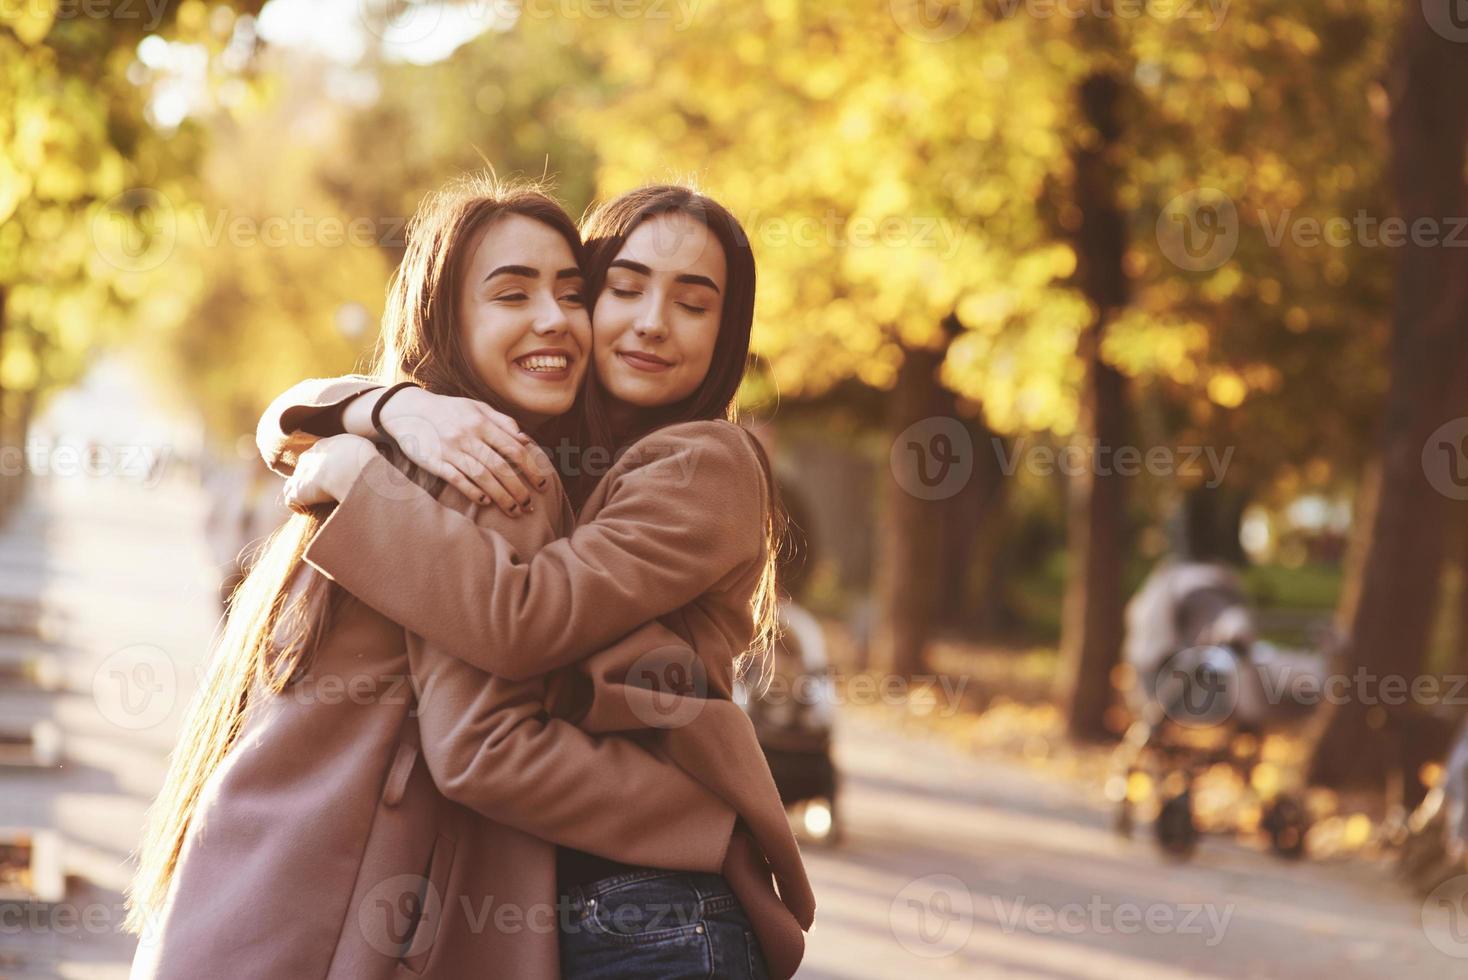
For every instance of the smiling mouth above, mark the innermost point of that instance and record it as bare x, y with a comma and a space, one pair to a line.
644, 362
544, 363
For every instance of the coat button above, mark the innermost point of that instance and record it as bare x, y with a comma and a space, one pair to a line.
698, 928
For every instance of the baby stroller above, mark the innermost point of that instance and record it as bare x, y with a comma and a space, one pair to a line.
1434, 837
1202, 689
793, 710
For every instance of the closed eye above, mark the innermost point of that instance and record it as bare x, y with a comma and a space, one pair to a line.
694, 309
624, 293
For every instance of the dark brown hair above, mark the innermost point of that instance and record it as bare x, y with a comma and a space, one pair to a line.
284, 608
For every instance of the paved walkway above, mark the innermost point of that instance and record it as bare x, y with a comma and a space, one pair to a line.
956, 866
124, 568
952, 866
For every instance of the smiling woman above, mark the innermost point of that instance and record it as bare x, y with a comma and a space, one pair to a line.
658, 316
523, 320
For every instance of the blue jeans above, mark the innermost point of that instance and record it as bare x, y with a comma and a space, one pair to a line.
658, 925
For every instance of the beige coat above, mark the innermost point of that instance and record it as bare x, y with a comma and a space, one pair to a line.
673, 532
342, 837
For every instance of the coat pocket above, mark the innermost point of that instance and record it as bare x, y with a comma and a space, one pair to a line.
430, 905
399, 774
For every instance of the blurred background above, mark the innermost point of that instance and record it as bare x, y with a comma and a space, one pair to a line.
1113, 354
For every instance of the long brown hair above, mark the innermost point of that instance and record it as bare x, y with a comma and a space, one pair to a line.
606, 228
284, 608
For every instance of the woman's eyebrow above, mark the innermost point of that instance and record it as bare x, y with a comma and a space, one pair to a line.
642, 270
696, 280
514, 270
570, 273
630, 266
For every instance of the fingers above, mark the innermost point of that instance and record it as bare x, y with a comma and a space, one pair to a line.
486, 482
520, 454
488, 469
450, 474
509, 425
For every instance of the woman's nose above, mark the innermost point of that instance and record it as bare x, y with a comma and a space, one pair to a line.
551, 319
650, 324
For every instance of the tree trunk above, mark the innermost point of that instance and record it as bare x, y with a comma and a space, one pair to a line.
1212, 520
909, 531
1392, 613
1091, 624
972, 527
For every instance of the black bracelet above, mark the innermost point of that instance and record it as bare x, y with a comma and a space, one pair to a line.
381, 401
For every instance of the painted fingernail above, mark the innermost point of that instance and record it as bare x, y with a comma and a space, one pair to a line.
514, 508
529, 508
543, 483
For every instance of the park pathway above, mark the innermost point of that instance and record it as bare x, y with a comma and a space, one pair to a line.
952, 865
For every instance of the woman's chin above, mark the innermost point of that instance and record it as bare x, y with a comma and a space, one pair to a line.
537, 406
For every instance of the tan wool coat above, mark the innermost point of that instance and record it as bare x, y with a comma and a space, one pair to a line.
394, 813
672, 536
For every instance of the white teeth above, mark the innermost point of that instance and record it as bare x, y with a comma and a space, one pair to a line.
545, 362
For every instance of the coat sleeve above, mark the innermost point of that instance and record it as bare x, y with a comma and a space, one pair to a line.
304, 413
685, 514
491, 747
